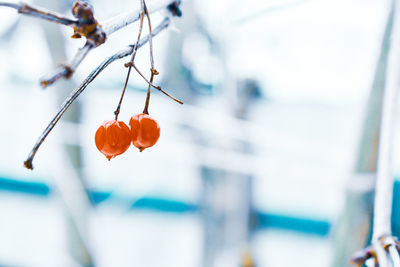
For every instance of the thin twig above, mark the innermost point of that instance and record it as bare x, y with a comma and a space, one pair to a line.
65, 71
151, 39
154, 86
107, 27
139, 34
131, 64
153, 70
121, 54
116, 112
40, 13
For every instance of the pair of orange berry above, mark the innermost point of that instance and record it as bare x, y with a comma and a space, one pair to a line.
114, 137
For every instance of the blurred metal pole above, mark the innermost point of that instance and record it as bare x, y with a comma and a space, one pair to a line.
351, 232
67, 166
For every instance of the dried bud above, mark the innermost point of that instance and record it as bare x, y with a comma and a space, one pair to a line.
84, 12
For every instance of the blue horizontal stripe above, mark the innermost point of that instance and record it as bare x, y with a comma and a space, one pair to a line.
280, 221
18, 186
163, 205
263, 220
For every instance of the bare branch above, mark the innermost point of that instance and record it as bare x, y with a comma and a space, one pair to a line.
12, 5
170, 96
86, 25
66, 71
384, 175
40, 13
385, 247
67, 103
154, 86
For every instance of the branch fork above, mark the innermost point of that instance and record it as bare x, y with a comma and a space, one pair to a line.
85, 25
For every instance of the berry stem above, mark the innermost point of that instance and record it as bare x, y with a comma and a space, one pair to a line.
154, 86
116, 112
131, 62
146, 106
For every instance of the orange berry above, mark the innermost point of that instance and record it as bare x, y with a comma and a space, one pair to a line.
144, 131
113, 138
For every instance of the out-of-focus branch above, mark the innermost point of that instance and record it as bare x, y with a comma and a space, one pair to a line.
85, 25
40, 13
385, 246
66, 71
384, 176
67, 103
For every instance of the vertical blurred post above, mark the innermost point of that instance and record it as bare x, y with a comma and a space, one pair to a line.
227, 198
67, 166
353, 228
226, 208
226, 195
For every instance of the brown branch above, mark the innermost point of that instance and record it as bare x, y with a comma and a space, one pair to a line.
40, 13
67, 103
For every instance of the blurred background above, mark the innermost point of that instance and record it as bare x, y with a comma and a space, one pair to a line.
270, 161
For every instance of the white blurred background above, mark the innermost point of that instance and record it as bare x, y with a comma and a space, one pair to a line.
254, 168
